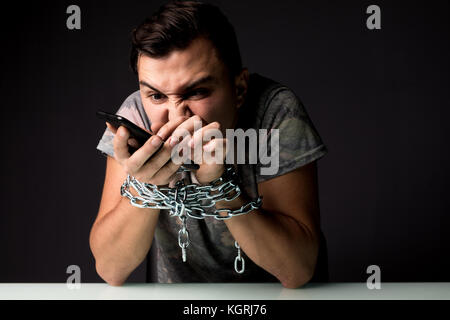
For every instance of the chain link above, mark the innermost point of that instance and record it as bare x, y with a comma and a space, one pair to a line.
192, 200
239, 259
183, 237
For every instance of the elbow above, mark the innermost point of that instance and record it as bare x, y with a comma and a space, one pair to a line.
302, 270
297, 280
115, 283
111, 277
108, 274
294, 284
297, 275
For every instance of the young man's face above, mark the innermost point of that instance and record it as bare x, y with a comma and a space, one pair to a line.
188, 82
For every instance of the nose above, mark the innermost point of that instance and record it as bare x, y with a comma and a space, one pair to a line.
177, 109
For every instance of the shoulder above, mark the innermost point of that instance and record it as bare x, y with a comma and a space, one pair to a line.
272, 100
292, 134
133, 109
133, 101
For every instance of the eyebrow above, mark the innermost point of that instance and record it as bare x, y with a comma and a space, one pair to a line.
204, 80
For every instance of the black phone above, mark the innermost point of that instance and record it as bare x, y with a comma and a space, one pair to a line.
136, 132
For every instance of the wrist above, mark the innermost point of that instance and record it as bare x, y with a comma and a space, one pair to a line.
205, 179
233, 204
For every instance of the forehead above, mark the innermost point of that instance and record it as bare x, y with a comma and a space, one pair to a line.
181, 67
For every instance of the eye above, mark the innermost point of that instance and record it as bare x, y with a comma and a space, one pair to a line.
198, 93
156, 97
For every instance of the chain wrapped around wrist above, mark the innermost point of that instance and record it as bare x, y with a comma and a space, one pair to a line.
192, 200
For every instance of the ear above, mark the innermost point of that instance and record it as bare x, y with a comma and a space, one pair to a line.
241, 85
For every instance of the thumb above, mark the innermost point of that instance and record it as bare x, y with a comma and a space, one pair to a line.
156, 126
110, 127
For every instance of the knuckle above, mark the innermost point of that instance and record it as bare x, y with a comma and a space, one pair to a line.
176, 133
180, 133
157, 181
163, 128
181, 119
149, 148
166, 152
173, 167
150, 167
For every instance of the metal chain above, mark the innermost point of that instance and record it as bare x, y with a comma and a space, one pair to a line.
198, 198
239, 259
192, 200
183, 237
180, 211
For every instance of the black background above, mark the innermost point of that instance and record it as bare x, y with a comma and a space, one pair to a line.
379, 99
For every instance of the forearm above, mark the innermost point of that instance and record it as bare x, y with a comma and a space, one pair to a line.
121, 240
275, 242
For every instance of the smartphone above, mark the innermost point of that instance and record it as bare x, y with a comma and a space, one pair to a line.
136, 132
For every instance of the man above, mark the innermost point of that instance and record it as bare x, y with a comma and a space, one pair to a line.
189, 69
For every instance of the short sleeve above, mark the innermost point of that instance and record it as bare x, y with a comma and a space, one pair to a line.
299, 143
131, 109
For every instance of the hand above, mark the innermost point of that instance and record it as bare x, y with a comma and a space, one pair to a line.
209, 155
159, 170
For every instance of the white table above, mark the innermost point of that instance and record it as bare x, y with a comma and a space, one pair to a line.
225, 291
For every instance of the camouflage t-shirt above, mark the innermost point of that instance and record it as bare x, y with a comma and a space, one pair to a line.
211, 253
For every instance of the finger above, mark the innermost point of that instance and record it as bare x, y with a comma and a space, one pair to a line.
140, 156
155, 126
120, 144
166, 130
191, 125
111, 128
214, 152
181, 152
165, 174
159, 159
203, 135
200, 137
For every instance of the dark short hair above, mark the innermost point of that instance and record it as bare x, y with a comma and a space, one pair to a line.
176, 24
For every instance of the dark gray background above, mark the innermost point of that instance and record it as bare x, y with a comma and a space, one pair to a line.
379, 99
